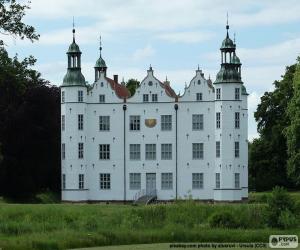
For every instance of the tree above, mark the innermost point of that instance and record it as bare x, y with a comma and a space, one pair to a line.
292, 132
268, 154
132, 85
11, 15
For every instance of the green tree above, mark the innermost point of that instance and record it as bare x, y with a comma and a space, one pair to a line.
11, 21
132, 85
292, 132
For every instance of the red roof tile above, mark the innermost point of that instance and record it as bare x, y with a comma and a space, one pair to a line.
120, 90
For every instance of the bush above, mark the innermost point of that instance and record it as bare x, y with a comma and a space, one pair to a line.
223, 220
287, 220
47, 198
280, 203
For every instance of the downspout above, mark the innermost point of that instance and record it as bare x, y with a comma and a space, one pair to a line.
176, 149
124, 125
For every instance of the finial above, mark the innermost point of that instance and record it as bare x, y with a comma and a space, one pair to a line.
227, 25
166, 78
198, 67
100, 42
150, 67
73, 30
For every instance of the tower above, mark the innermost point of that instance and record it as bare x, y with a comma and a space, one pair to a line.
231, 164
100, 66
73, 106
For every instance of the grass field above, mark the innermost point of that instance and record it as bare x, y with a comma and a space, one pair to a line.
65, 226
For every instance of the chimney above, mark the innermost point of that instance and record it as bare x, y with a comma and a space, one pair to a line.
116, 78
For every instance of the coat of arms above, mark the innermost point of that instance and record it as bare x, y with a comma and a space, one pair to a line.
150, 123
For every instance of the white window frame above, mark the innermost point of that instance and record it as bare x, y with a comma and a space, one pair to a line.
199, 96
80, 96
63, 123
63, 179
166, 151
197, 122
104, 123
218, 180
134, 123
166, 122
150, 151
236, 149
237, 119
237, 180
154, 98
198, 151
218, 149
197, 180
63, 151
80, 150
104, 151
81, 181
134, 181
237, 93
63, 96
80, 122
101, 98
218, 120
218, 93
104, 181
145, 98
166, 181
134, 151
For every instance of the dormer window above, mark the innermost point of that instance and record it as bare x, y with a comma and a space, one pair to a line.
102, 98
145, 98
199, 82
199, 96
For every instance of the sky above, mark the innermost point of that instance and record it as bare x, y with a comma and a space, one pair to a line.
173, 36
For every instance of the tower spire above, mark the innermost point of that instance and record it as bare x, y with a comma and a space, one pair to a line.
100, 48
73, 30
227, 26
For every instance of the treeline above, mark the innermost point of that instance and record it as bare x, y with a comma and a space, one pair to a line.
274, 158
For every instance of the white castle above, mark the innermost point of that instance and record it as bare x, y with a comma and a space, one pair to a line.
154, 144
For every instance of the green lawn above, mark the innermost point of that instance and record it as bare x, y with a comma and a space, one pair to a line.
67, 226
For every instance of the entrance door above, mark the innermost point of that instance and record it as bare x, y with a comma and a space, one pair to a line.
150, 183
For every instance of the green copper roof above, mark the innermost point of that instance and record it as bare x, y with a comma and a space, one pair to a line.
74, 48
227, 43
235, 59
244, 91
228, 74
100, 63
74, 77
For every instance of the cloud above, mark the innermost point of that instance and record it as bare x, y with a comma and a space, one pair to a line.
143, 53
187, 36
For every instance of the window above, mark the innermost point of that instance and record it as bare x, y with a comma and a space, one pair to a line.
80, 122
167, 181
135, 181
218, 120
166, 122
134, 122
80, 150
218, 182
135, 151
154, 97
102, 98
218, 149
80, 96
197, 150
218, 94
197, 122
237, 120
197, 180
63, 123
236, 149
145, 98
199, 96
81, 181
237, 93
166, 151
104, 151
104, 181
63, 96
63, 181
63, 151
104, 123
150, 151
237, 180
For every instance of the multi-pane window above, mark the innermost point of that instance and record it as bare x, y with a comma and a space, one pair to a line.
63, 96
63, 181
236, 180
197, 180
80, 150
104, 123
218, 93
104, 181
80, 96
135, 151
63, 123
218, 181
218, 149
150, 151
237, 93
135, 122
63, 151
236, 149
145, 98
135, 181
237, 120
166, 151
166, 122
167, 181
218, 120
197, 150
199, 96
104, 151
101, 98
81, 181
197, 122
154, 97
80, 122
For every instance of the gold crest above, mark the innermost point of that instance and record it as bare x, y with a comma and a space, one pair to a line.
150, 123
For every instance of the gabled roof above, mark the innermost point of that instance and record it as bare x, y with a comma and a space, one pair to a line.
120, 90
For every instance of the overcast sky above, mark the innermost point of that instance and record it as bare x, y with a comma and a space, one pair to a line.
174, 36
